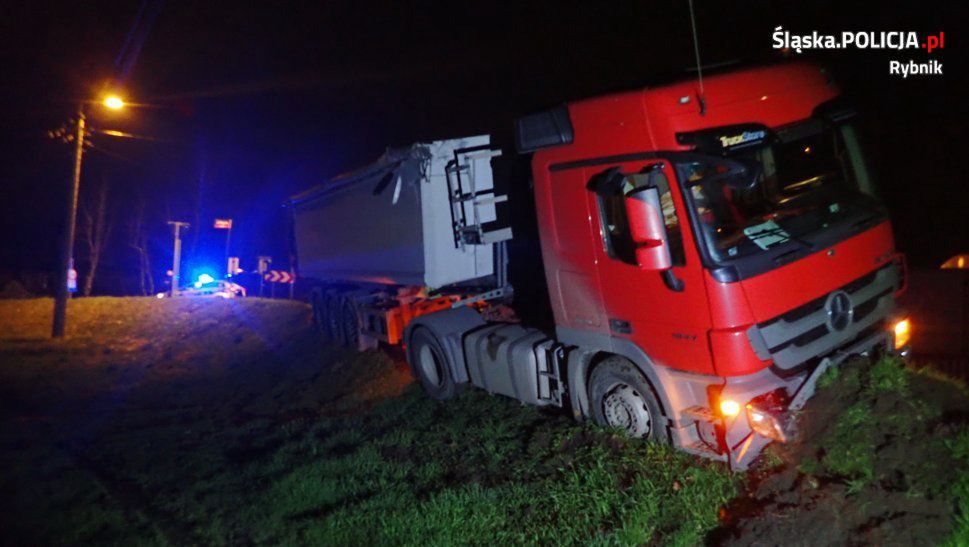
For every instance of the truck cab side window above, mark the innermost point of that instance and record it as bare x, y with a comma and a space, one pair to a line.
615, 226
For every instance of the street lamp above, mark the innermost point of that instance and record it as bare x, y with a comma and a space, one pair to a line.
114, 102
67, 244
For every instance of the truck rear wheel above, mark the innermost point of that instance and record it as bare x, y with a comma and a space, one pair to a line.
350, 325
622, 398
430, 365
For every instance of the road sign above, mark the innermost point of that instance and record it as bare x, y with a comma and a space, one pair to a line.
232, 267
277, 276
264, 262
223, 224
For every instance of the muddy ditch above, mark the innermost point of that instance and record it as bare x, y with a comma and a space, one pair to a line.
872, 464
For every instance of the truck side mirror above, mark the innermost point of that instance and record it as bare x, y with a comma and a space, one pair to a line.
648, 231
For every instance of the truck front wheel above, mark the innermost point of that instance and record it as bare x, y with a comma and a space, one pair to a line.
430, 365
622, 398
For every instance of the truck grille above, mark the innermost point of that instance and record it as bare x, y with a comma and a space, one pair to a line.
828, 322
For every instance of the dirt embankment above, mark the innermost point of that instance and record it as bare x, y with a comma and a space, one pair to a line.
262, 355
880, 459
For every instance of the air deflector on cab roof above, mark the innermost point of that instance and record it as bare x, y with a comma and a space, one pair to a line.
545, 129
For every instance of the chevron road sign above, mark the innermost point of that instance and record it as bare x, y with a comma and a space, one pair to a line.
277, 276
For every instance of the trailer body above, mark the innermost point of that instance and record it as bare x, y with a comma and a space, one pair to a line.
391, 223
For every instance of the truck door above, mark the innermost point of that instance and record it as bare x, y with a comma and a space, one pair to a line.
569, 251
665, 314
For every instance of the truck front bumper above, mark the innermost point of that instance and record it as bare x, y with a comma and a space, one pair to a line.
742, 443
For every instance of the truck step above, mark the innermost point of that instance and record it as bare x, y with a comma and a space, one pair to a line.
702, 449
701, 413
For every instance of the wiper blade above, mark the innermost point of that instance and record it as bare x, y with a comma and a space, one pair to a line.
874, 213
786, 257
866, 222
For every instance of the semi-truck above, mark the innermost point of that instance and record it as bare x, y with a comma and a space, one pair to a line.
705, 255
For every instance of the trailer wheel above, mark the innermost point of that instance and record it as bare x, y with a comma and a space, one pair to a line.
622, 398
319, 313
350, 325
430, 365
333, 328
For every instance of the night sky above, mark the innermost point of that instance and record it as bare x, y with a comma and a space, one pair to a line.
251, 102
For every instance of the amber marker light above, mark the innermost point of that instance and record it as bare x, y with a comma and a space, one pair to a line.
903, 333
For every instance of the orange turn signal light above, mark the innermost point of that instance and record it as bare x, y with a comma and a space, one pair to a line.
903, 333
729, 408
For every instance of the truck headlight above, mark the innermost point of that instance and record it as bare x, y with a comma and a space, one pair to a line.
768, 416
903, 333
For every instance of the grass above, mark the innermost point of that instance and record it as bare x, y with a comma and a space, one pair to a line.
894, 433
959, 447
882, 408
482, 470
214, 422
850, 450
225, 422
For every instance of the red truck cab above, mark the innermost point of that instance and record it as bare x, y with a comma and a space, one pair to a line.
762, 257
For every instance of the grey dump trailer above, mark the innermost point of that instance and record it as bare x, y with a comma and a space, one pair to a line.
418, 216
409, 250
416, 232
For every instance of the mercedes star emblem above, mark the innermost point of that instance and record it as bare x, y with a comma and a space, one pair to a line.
840, 310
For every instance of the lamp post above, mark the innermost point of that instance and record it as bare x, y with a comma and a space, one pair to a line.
177, 255
67, 244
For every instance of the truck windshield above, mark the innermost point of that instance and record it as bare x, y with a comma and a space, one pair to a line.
795, 184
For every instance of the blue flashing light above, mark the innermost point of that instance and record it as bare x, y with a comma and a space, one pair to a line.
203, 279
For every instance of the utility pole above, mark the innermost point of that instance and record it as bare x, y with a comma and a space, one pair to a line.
176, 262
67, 244
262, 268
228, 238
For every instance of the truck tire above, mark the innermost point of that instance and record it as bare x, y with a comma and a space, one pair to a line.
333, 318
353, 334
350, 324
430, 364
622, 398
318, 303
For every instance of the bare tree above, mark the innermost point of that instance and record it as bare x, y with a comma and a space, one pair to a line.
96, 229
138, 240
